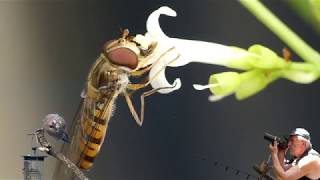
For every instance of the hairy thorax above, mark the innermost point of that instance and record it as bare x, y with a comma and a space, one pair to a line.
111, 80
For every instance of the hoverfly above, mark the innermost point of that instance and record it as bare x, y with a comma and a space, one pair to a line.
107, 78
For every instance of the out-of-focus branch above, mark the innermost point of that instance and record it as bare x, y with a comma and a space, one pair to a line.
307, 10
297, 44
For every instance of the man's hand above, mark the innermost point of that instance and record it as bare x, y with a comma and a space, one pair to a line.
274, 148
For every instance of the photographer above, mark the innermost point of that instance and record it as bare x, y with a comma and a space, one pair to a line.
306, 163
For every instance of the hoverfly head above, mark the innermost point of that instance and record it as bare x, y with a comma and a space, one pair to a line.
123, 52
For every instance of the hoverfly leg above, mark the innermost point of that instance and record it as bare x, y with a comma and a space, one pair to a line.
162, 69
147, 68
141, 71
135, 87
139, 120
148, 80
134, 113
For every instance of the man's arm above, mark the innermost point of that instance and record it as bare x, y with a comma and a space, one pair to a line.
293, 173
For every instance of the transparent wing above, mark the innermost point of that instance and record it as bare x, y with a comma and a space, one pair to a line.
89, 125
72, 150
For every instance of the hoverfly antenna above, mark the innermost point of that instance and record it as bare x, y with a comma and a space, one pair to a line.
125, 33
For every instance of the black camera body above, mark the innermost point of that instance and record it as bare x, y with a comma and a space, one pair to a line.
282, 141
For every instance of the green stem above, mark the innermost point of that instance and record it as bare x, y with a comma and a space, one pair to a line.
282, 31
300, 66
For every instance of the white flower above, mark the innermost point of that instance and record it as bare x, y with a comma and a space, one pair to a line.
176, 52
261, 65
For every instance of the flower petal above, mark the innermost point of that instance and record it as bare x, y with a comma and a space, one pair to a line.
200, 87
153, 26
157, 73
214, 98
203, 52
178, 52
161, 82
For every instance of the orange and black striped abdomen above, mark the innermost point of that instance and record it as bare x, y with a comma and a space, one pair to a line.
94, 129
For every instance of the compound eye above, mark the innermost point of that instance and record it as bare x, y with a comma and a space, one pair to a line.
124, 57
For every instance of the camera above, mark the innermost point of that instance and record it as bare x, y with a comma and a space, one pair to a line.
282, 141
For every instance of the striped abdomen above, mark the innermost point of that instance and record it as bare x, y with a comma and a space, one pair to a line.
93, 133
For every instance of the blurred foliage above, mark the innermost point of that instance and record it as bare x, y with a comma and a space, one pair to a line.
309, 10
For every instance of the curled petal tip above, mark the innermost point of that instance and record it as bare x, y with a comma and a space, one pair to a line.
153, 26
175, 86
172, 87
167, 11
